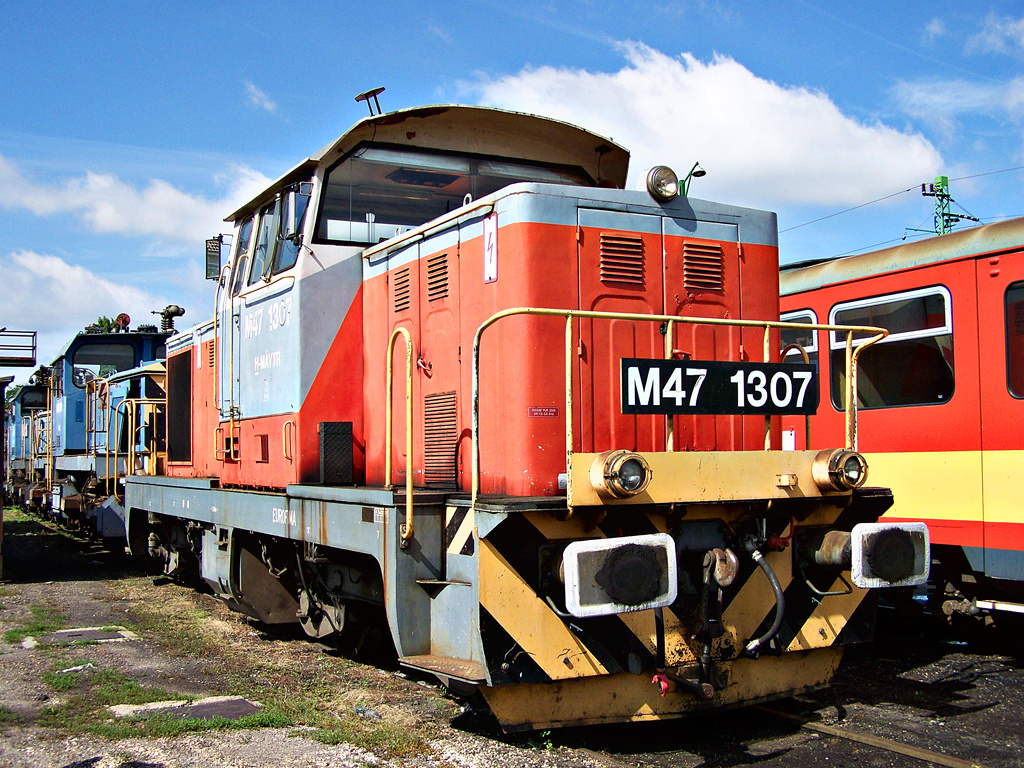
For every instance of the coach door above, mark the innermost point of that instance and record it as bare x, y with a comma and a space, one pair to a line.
1001, 334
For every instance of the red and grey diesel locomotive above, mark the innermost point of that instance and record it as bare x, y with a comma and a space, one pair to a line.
462, 388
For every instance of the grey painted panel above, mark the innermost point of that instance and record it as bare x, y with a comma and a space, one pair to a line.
1004, 564
327, 298
268, 349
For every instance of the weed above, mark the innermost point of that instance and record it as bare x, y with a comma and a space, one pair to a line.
165, 725
61, 682
6, 716
45, 619
111, 688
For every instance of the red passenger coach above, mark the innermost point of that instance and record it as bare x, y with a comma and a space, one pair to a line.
464, 390
940, 400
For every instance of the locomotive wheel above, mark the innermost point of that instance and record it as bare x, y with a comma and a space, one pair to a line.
358, 630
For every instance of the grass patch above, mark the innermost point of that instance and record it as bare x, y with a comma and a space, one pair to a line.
59, 682
6, 716
163, 725
111, 688
45, 619
182, 631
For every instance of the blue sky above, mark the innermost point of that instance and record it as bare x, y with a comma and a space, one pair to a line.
129, 130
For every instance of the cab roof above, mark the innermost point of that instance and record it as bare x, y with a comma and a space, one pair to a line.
475, 130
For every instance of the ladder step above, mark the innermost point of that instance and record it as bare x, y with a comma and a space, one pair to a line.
466, 671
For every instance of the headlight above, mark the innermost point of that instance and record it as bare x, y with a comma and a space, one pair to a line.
620, 474
839, 470
662, 183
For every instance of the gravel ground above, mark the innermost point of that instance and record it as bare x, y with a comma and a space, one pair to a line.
916, 686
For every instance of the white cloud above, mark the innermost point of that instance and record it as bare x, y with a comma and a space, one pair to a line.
941, 102
107, 204
934, 30
762, 143
257, 98
1000, 34
57, 299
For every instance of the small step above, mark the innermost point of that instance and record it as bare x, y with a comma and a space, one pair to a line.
433, 587
471, 672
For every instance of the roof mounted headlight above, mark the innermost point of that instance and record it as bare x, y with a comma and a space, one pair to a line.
662, 183
839, 470
620, 474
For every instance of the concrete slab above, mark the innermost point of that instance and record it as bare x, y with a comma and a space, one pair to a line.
82, 635
229, 707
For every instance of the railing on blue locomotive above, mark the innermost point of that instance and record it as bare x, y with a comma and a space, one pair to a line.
126, 429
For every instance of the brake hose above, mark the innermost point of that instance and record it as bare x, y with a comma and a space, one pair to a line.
753, 648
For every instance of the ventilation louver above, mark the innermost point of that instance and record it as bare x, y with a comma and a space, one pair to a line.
403, 290
440, 438
703, 267
437, 277
622, 259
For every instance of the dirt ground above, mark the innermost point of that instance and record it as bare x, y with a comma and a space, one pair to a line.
914, 688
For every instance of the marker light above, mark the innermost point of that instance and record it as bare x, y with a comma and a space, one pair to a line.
620, 474
662, 183
839, 470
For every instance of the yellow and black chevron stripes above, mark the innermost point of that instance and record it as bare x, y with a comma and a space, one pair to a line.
531, 623
528, 637
458, 530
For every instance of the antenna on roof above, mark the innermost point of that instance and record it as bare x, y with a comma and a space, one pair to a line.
371, 94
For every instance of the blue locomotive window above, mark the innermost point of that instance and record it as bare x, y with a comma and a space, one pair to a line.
1015, 339
242, 255
101, 360
377, 191
794, 337
33, 399
913, 365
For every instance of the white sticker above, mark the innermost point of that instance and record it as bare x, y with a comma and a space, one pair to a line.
491, 248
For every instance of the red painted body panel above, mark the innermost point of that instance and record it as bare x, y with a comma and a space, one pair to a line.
951, 426
522, 390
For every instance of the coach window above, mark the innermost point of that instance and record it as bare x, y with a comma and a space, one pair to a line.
793, 337
913, 365
1015, 339
266, 239
242, 255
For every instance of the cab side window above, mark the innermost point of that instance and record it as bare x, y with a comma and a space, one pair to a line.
288, 247
241, 255
1015, 339
266, 241
913, 365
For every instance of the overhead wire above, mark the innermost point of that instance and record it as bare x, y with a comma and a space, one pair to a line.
903, 192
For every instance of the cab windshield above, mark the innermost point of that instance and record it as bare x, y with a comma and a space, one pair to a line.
377, 191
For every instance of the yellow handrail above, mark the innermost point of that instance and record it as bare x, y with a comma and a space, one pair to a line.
132, 429
670, 320
404, 332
